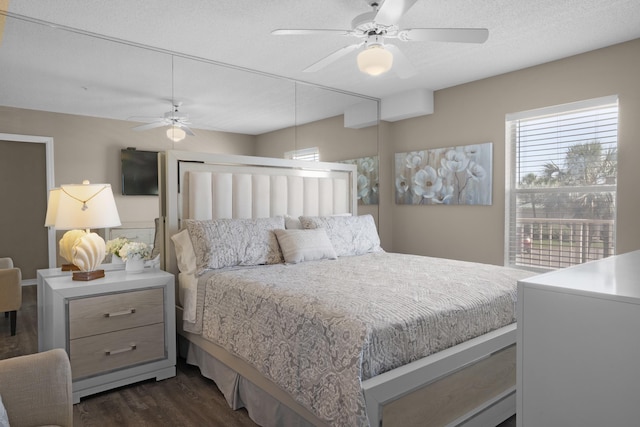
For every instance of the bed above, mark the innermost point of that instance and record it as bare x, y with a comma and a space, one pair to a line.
274, 265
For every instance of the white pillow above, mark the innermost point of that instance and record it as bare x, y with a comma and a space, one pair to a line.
188, 295
349, 235
220, 243
292, 223
184, 252
187, 281
155, 251
305, 245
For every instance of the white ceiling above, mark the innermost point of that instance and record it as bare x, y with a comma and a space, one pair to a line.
65, 71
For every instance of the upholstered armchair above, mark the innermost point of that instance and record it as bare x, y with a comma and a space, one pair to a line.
36, 389
10, 290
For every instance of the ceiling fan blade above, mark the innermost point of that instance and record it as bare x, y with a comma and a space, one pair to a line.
185, 129
401, 64
392, 10
332, 57
310, 32
460, 35
150, 126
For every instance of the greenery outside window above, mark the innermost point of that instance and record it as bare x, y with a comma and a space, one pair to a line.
561, 184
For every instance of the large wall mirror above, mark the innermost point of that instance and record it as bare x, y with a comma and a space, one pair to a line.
88, 92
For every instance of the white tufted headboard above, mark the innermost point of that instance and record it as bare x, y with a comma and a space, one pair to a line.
208, 186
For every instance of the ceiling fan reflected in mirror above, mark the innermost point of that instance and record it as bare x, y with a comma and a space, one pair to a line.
375, 28
177, 123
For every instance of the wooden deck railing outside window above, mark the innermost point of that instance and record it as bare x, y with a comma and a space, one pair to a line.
556, 243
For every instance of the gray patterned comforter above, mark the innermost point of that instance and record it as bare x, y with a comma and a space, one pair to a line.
317, 329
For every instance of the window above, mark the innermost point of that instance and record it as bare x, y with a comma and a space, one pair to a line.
311, 154
561, 184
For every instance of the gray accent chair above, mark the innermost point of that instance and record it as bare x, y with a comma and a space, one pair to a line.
36, 389
10, 290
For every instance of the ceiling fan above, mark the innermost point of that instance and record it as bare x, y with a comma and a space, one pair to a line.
177, 122
374, 27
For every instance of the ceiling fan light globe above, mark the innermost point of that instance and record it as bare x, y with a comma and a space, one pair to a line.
176, 134
375, 60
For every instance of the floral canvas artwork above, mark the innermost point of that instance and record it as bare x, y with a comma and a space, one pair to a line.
367, 179
458, 175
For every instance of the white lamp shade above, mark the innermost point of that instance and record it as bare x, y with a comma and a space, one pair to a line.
375, 60
176, 134
52, 207
82, 206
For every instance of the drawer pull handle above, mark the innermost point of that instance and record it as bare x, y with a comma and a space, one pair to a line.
121, 350
120, 313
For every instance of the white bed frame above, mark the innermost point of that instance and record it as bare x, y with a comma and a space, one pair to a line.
471, 384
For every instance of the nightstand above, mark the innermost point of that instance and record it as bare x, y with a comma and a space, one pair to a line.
117, 330
44, 314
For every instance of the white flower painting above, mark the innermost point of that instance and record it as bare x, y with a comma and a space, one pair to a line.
445, 176
367, 179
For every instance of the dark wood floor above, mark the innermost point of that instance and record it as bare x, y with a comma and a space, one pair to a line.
186, 400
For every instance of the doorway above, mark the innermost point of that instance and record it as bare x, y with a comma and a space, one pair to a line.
26, 175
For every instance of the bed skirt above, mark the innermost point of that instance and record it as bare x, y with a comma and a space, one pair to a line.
239, 392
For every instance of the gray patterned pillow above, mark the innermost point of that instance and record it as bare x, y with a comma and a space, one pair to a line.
349, 235
305, 245
222, 243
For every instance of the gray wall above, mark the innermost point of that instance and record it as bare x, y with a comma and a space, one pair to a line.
89, 148
475, 113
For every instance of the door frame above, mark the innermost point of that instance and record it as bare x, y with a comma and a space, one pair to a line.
48, 141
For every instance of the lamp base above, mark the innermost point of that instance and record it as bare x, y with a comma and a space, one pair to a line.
87, 275
69, 267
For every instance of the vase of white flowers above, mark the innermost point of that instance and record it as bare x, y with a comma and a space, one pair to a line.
134, 265
134, 255
114, 246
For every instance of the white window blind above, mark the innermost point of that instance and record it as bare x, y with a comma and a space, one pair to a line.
561, 184
311, 154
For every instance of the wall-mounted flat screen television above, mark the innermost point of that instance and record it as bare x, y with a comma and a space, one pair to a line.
139, 172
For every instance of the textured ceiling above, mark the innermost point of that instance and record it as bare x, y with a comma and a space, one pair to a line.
67, 71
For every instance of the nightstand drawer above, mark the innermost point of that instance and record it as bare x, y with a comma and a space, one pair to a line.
107, 313
107, 352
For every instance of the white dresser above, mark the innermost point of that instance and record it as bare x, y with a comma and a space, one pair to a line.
117, 330
579, 345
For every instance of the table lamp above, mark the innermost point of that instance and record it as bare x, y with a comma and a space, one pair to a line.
69, 238
79, 207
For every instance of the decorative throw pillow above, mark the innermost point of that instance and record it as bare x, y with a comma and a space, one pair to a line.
349, 235
222, 243
305, 245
